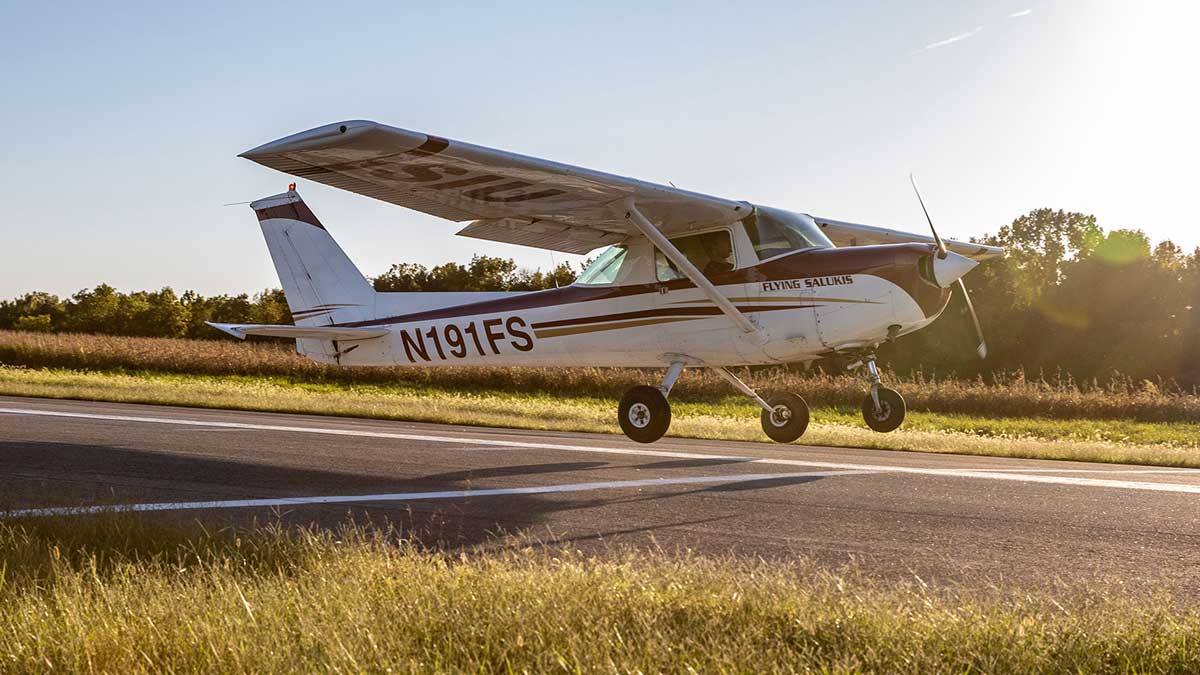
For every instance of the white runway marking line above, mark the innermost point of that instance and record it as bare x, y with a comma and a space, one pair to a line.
986, 474
418, 496
1115, 470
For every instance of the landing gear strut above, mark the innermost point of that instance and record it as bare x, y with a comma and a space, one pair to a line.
645, 414
785, 415
883, 408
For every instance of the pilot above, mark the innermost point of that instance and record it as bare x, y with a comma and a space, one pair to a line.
722, 256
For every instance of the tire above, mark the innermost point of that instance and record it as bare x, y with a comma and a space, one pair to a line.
891, 410
644, 414
781, 429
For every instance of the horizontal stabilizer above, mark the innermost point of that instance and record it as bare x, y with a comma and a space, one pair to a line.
241, 330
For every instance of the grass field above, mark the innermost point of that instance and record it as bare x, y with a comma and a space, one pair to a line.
731, 418
1121, 421
128, 594
123, 596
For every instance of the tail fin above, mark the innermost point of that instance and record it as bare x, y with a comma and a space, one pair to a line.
322, 286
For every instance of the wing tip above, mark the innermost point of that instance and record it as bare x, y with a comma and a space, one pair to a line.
311, 137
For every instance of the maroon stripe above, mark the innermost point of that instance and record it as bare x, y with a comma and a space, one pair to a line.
663, 311
432, 146
294, 211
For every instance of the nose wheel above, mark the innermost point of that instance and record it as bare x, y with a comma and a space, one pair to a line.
883, 408
888, 414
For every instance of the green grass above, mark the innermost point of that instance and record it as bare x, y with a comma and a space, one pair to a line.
1112, 431
1164, 444
123, 596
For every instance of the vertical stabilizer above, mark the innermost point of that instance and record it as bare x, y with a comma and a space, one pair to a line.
322, 285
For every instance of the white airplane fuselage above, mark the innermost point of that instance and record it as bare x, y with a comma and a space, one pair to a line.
806, 304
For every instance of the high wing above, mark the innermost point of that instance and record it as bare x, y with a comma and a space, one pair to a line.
509, 197
853, 234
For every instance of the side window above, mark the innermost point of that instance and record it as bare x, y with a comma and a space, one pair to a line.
711, 253
605, 269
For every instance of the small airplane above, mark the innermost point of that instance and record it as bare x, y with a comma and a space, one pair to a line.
687, 279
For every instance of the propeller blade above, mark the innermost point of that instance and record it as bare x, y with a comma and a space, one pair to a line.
940, 244
982, 348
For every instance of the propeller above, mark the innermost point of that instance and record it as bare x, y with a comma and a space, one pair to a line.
981, 350
942, 252
941, 245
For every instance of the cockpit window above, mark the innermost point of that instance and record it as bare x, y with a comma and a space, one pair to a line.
775, 231
605, 269
711, 253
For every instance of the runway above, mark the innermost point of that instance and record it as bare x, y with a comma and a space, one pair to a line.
940, 517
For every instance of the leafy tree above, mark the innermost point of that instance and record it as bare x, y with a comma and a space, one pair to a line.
403, 278
34, 323
31, 304
1039, 243
483, 273
95, 311
270, 307
232, 309
525, 280
162, 315
1069, 297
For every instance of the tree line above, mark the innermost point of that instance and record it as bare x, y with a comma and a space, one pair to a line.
164, 313
1068, 297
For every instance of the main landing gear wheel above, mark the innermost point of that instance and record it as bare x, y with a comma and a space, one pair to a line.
890, 413
644, 414
788, 418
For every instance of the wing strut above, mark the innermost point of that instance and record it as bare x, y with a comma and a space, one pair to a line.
689, 270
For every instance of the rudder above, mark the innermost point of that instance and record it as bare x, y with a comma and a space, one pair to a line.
323, 287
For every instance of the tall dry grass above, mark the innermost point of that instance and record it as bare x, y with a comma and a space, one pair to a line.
122, 596
1008, 395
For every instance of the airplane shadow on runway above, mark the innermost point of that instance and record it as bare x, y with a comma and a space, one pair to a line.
41, 474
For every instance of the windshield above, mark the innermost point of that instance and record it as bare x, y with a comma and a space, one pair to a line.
605, 268
775, 231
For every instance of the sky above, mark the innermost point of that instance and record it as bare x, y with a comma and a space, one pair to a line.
121, 123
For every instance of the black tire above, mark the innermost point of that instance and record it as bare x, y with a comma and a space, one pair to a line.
891, 410
644, 414
785, 427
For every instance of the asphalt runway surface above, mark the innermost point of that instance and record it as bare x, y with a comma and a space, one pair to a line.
944, 518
